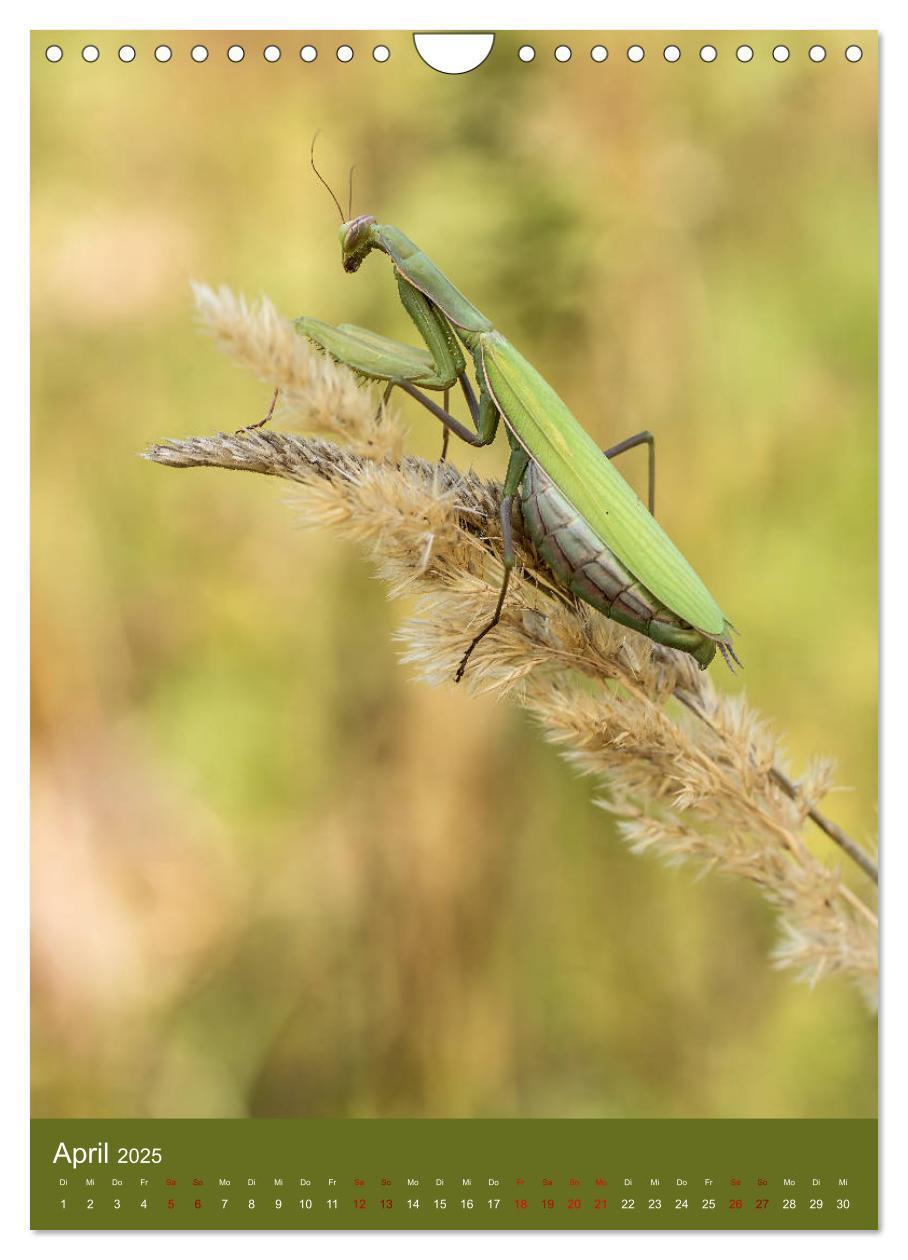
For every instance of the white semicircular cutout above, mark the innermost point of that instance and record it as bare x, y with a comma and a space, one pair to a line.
454, 53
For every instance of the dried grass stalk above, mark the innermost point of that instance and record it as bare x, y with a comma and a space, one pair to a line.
692, 775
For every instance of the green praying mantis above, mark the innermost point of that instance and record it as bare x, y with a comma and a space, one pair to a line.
594, 533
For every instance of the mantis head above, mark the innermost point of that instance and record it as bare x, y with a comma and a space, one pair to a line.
356, 241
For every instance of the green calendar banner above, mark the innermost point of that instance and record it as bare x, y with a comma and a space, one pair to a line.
454, 1174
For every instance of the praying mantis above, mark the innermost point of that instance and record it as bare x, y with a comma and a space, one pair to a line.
594, 533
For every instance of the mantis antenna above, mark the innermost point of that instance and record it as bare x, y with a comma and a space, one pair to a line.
322, 179
350, 193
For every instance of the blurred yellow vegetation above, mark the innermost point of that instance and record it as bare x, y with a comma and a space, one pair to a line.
271, 877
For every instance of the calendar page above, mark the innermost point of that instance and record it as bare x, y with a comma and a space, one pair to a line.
462, 815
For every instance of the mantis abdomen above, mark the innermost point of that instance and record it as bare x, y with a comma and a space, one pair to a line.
585, 565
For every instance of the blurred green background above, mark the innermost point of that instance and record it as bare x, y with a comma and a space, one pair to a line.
274, 876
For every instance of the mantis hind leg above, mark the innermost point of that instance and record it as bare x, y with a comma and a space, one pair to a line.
516, 468
628, 444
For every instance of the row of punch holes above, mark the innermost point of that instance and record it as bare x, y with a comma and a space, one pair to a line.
707, 53
235, 53
526, 53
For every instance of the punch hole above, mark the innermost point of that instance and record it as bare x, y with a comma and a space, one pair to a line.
562, 53
53, 52
236, 53
599, 52
162, 53
272, 53
708, 53
672, 53
780, 53
90, 53
345, 53
454, 53
308, 53
199, 53
526, 52
126, 53
817, 53
854, 52
381, 52
635, 53
744, 53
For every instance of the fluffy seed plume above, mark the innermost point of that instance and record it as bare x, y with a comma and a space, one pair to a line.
692, 775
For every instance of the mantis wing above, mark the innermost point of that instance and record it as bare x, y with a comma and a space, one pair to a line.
572, 460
